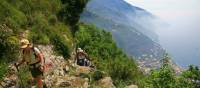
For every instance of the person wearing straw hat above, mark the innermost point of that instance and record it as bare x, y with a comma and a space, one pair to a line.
32, 57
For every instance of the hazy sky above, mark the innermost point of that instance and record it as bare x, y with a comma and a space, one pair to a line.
182, 37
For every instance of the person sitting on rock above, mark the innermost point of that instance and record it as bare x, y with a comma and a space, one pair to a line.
82, 58
32, 57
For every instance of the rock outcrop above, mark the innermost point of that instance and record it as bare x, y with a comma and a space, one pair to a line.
132, 86
106, 83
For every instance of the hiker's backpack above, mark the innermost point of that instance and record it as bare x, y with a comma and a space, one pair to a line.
45, 63
83, 59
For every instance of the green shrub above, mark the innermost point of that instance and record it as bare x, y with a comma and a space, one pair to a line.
60, 37
14, 18
123, 70
53, 20
97, 75
60, 46
9, 48
3, 69
39, 38
84, 75
9, 43
39, 30
184, 83
24, 76
192, 75
165, 77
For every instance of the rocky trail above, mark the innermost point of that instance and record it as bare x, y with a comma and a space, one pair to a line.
63, 74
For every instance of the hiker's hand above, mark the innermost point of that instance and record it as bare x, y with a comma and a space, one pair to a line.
42, 68
16, 65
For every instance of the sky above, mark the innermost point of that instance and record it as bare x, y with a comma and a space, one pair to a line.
182, 37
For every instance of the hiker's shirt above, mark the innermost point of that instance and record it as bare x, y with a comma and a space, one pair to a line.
81, 55
31, 56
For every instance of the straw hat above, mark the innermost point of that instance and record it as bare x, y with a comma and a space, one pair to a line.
24, 43
80, 50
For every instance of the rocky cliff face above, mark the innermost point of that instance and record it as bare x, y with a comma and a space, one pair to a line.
63, 74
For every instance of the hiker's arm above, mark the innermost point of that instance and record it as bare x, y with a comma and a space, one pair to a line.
76, 57
20, 62
39, 57
87, 56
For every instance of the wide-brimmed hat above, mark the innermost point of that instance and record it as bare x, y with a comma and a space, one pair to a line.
24, 43
79, 50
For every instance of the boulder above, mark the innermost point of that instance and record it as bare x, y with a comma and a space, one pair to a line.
132, 86
106, 83
83, 69
66, 68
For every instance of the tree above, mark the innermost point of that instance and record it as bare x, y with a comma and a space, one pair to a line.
70, 12
192, 75
163, 77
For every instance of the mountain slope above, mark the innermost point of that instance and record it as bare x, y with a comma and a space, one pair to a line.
131, 26
39, 21
46, 24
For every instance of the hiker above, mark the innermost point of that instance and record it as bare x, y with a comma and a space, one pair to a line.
32, 57
82, 58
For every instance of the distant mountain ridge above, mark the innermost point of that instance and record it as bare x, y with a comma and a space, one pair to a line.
131, 26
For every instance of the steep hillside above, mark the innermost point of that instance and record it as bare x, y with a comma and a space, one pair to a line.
131, 26
54, 25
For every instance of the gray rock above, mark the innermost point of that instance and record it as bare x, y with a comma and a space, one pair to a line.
106, 83
132, 86
67, 68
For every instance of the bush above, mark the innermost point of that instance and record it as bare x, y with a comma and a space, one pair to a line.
9, 43
60, 46
61, 38
184, 83
9, 48
39, 30
39, 38
3, 69
123, 70
24, 76
14, 18
165, 77
53, 20
192, 75
50, 31
97, 75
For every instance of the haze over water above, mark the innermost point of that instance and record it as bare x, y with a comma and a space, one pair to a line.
181, 37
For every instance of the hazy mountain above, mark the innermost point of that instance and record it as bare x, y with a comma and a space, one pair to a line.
131, 26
